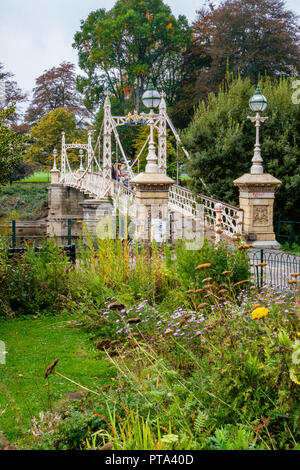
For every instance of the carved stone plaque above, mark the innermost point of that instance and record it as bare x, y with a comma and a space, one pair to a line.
260, 215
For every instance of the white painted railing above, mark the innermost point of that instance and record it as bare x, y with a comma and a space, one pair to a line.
120, 188
185, 201
91, 183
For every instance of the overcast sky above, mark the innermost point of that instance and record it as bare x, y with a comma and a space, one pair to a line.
36, 35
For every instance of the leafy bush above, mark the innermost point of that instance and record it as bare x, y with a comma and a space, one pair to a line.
34, 282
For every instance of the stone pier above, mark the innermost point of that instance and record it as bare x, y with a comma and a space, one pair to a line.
257, 201
64, 203
151, 204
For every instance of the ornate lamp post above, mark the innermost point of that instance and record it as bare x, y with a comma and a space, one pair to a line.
152, 186
257, 103
80, 155
151, 99
257, 189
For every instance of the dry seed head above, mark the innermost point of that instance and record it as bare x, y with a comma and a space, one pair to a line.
132, 334
295, 274
187, 316
222, 291
292, 281
207, 279
203, 305
134, 320
203, 266
241, 282
211, 325
104, 343
49, 369
207, 286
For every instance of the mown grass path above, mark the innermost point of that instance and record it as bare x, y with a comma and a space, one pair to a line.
31, 345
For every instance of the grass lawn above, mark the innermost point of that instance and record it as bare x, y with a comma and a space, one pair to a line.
31, 345
38, 177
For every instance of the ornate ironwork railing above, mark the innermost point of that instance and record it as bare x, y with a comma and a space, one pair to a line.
91, 183
185, 201
274, 268
123, 198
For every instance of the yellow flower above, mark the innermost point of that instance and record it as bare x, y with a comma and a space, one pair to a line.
260, 313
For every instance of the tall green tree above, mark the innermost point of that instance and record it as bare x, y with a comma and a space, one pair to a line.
121, 49
221, 139
12, 145
46, 135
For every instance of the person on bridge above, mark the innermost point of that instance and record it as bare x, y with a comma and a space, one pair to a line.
118, 171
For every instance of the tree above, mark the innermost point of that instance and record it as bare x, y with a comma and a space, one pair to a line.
10, 93
56, 88
221, 139
12, 145
120, 49
256, 37
46, 135
249, 37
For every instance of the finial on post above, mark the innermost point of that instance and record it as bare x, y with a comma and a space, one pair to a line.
55, 171
54, 159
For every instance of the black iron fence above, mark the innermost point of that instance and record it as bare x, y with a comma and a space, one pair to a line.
273, 268
19, 232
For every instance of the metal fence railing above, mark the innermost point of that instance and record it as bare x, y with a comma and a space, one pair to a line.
273, 268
